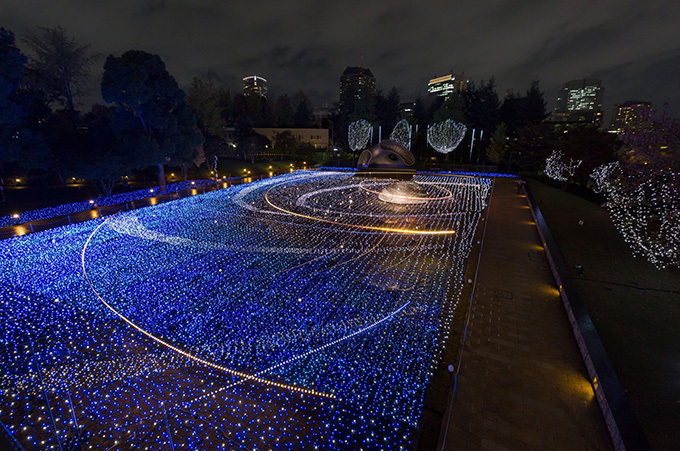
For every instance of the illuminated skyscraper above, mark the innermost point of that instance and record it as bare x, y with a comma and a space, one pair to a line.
446, 85
630, 115
254, 85
359, 80
579, 101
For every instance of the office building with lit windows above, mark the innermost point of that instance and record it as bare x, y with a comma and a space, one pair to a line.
254, 85
359, 80
446, 85
633, 115
579, 102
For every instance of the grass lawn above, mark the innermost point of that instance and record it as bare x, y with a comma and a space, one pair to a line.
635, 308
233, 168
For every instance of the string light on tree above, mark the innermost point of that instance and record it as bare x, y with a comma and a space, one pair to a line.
358, 134
445, 136
645, 208
402, 133
560, 170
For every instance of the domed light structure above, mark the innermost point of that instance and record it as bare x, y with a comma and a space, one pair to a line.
404, 193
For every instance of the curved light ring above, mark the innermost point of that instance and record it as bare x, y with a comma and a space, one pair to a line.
309, 261
358, 226
311, 351
403, 260
424, 199
181, 351
351, 259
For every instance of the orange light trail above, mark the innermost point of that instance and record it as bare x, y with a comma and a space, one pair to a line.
448, 196
358, 226
181, 351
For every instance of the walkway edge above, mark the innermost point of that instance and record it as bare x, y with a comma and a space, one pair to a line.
485, 218
624, 429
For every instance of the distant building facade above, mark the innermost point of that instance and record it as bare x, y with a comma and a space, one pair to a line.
448, 84
359, 80
321, 113
254, 85
579, 102
630, 115
318, 137
406, 109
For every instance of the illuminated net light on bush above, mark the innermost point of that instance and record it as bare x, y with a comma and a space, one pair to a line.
645, 208
65, 209
559, 170
445, 136
358, 134
303, 284
402, 133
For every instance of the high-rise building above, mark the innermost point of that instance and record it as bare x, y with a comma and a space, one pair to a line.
448, 84
406, 109
254, 85
630, 115
579, 101
359, 80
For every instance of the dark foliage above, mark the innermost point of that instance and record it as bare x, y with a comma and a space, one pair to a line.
152, 114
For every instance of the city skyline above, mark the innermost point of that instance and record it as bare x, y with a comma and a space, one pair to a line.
308, 47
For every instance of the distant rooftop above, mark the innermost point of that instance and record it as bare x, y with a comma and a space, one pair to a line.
357, 70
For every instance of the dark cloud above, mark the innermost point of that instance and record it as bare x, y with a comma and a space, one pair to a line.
631, 45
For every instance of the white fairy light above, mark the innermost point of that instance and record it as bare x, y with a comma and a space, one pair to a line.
358, 134
645, 208
402, 133
560, 170
445, 136
604, 177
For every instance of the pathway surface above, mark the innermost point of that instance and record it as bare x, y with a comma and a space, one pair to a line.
522, 383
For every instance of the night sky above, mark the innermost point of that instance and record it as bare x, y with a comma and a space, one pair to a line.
633, 46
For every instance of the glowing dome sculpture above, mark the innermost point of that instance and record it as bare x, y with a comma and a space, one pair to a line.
404, 193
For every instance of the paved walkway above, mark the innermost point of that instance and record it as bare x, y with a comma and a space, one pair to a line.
522, 384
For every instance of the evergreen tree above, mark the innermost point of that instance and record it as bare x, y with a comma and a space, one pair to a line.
391, 114
12, 108
203, 100
482, 107
141, 87
226, 106
303, 111
534, 106
102, 160
20, 110
498, 146
451, 108
284, 112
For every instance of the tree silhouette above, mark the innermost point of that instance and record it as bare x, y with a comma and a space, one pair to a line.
303, 110
284, 112
61, 67
20, 111
482, 107
498, 146
164, 129
104, 161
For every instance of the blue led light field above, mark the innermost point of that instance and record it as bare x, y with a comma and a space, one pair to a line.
298, 312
